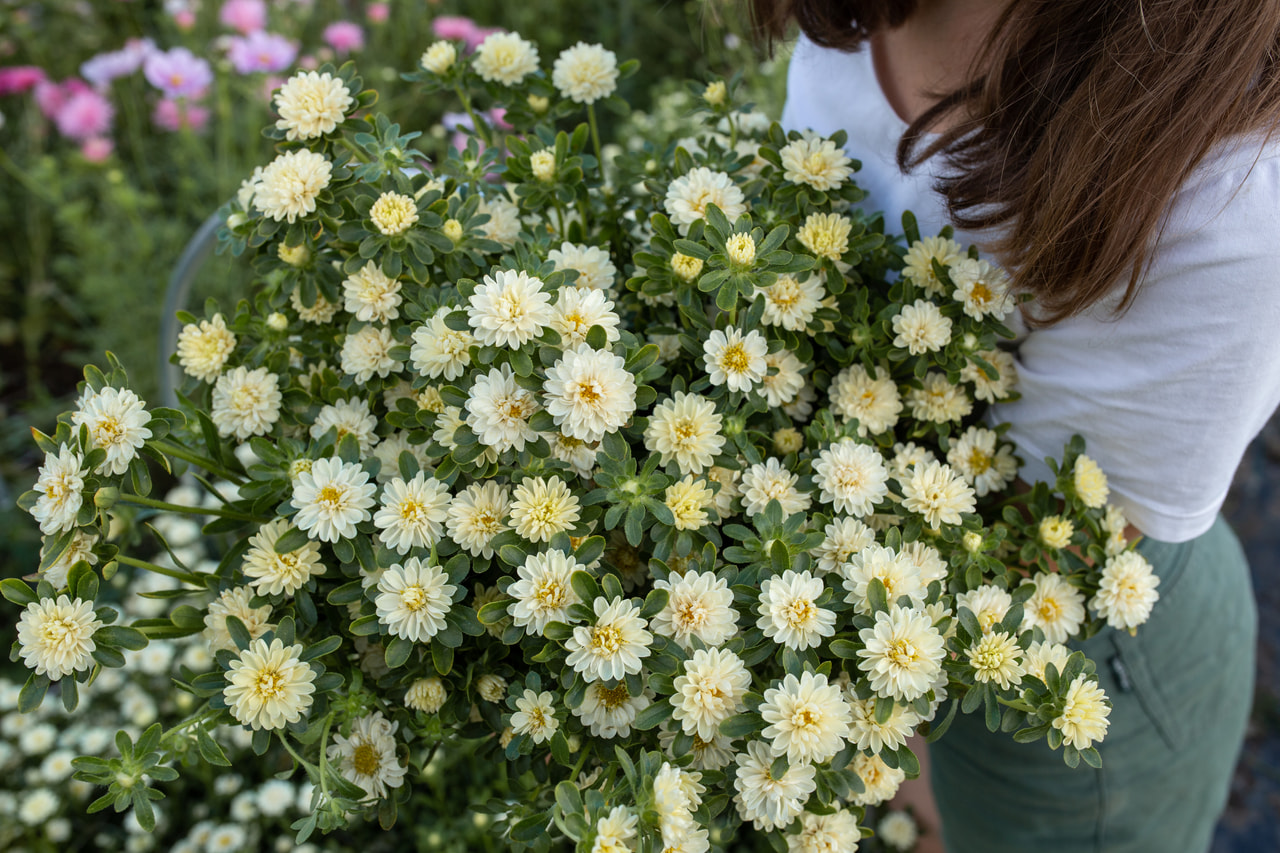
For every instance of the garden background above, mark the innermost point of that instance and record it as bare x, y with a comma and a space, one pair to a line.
110, 163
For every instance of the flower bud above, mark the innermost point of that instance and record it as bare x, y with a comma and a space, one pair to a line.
294, 256
277, 322
539, 104
543, 164
741, 249
439, 57
106, 497
788, 440
972, 542
715, 93
453, 230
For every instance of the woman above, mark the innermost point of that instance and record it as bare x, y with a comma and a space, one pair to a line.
1117, 158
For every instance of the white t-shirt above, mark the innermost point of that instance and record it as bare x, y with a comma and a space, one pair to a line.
1168, 395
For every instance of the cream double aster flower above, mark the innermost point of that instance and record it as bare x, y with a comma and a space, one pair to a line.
269, 685
610, 649
808, 719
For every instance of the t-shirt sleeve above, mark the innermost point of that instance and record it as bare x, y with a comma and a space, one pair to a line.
1169, 394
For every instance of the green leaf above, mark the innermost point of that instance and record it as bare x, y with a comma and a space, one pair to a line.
740, 725
128, 638
397, 652
585, 586
291, 540
21, 593
568, 798
210, 751
442, 658
654, 715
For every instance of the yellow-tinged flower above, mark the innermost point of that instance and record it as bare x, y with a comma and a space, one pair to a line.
1084, 716
56, 637
826, 235
688, 500
686, 267
1056, 532
269, 685
543, 164
715, 93
393, 213
439, 57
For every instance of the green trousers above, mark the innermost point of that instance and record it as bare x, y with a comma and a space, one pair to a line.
1181, 692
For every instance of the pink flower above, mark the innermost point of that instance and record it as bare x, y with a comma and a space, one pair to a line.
498, 115
96, 149
84, 115
178, 73
51, 96
19, 78
185, 19
344, 36
261, 51
244, 16
100, 70
378, 13
174, 115
457, 28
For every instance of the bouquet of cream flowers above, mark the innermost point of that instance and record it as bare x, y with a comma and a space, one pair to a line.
662, 480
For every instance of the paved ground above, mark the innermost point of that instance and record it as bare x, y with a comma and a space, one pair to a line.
1252, 821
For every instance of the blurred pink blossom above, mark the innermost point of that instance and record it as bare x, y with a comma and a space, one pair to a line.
344, 36
269, 85
84, 115
178, 73
378, 13
261, 51
244, 16
456, 28
175, 114
185, 19
498, 116
100, 70
19, 78
307, 62
51, 96
96, 149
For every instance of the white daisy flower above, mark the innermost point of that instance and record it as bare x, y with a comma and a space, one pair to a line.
367, 353
388, 450
585, 73
246, 402
996, 658
413, 600
685, 428
610, 711
269, 685
117, 422
903, 653
610, 649
332, 498
1056, 607
347, 417
1089, 482
807, 718
475, 516
439, 57
816, 162
503, 226
921, 328
937, 493
982, 288
852, 477
505, 58
826, 833
1083, 720
542, 508
770, 481
986, 466
826, 235
498, 410
593, 265
988, 388
509, 309
988, 603
734, 359
919, 262
204, 347
768, 802
614, 831
535, 716
393, 214
869, 734
56, 637
311, 104
272, 573
788, 613
900, 576
412, 513
870, 399
319, 312
542, 591
368, 756
791, 303
898, 831
577, 310
290, 185
1055, 532
688, 500
843, 538
589, 393
688, 197
938, 401
698, 605
439, 350
1040, 655
81, 548
783, 383
60, 484
372, 295
710, 691
880, 782
426, 694
1126, 592
235, 602
580, 455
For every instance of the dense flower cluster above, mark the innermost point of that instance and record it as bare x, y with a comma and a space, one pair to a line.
684, 505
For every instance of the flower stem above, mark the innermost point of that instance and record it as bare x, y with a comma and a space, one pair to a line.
139, 500
179, 452
476, 124
595, 139
177, 574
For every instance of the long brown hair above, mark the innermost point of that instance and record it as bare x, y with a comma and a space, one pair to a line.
1088, 116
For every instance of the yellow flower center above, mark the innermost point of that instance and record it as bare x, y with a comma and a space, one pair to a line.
411, 510
393, 213
108, 431
551, 594
902, 653
365, 759
606, 639
804, 718
414, 598
979, 462
612, 698
734, 358
270, 683
799, 612
332, 497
